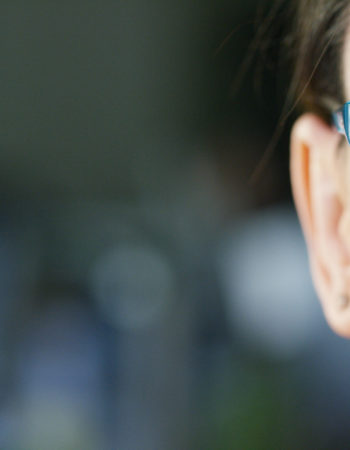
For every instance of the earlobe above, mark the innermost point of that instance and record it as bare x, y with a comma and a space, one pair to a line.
317, 192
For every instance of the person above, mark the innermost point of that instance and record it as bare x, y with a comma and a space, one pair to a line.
320, 150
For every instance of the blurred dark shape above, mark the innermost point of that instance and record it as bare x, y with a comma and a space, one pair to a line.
139, 298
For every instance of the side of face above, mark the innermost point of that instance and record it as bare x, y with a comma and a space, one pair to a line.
320, 177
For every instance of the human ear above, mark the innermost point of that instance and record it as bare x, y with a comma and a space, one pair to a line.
317, 172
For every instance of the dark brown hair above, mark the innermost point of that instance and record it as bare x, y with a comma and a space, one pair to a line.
313, 39
316, 45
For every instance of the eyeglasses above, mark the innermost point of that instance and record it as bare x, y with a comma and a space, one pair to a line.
341, 120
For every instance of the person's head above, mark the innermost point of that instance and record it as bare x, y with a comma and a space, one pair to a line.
319, 155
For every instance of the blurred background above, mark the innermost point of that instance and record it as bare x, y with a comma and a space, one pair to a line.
152, 295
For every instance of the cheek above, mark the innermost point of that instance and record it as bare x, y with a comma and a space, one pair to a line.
344, 189
343, 172
344, 229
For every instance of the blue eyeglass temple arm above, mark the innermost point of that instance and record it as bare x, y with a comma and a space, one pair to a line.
341, 120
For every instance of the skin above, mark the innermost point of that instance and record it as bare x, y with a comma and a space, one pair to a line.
320, 177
